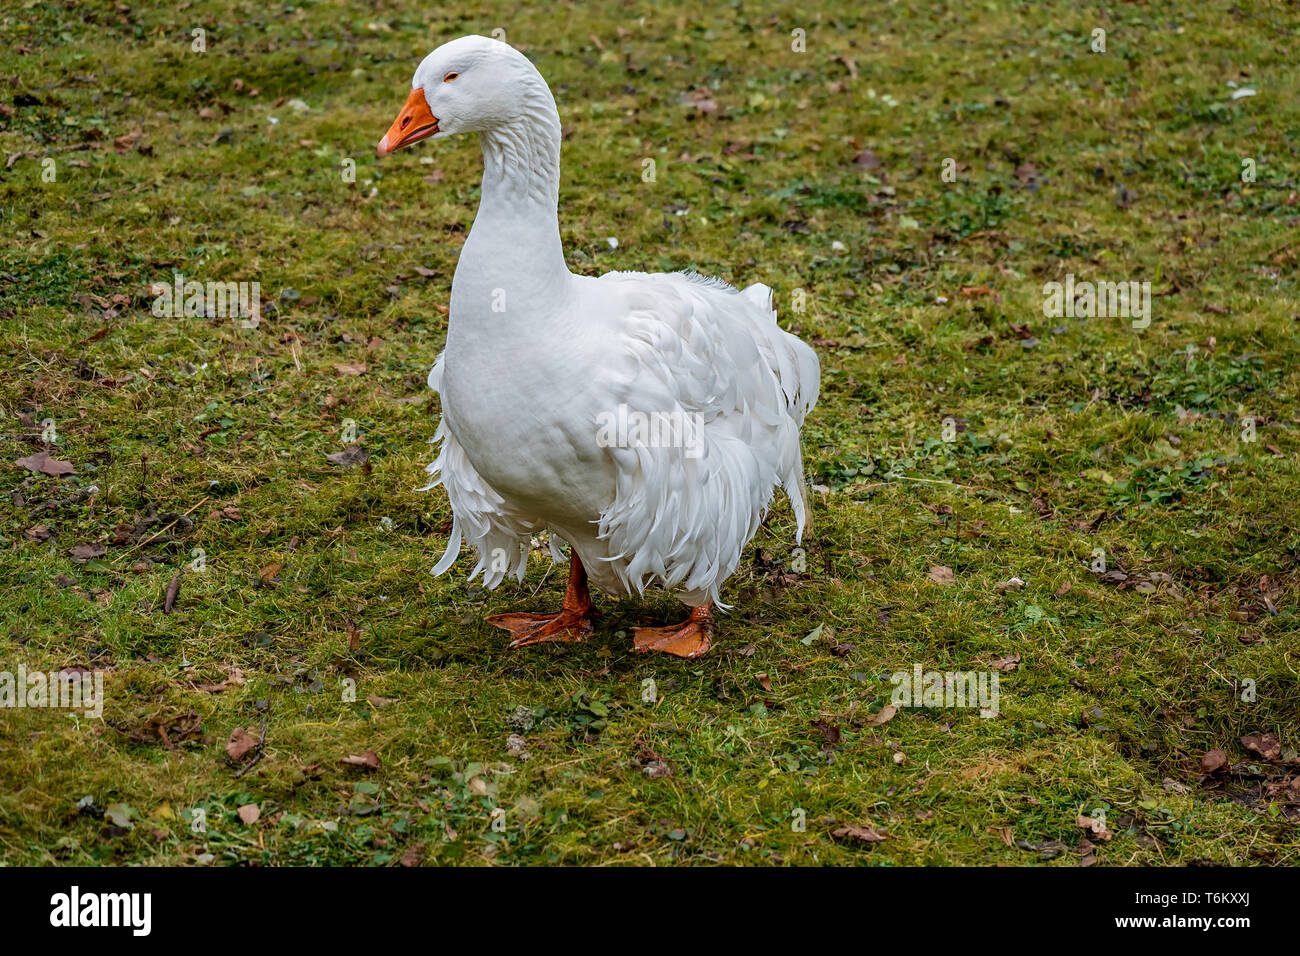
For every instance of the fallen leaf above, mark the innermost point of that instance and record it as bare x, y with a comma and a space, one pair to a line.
867, 159
120, 814
413, 856
859, 834
351, 368
830, 733
652, 765
368, 759
348, 457
1003, 833
82, 553
1087, 852
1008, 663
173, 589
127, 142
942, 575
1266, 745
883, 716
764, 681
1046, 849
235, 678
249, 813
1096, 827
239, 744
43, 464
1213, 760
270, 571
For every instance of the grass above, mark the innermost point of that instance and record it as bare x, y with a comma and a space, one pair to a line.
819, 173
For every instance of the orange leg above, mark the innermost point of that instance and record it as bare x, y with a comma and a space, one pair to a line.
688, 639
572, 622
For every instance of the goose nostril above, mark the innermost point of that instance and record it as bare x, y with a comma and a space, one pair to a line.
406, 122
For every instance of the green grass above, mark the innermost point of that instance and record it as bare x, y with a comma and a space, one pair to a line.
1070, 436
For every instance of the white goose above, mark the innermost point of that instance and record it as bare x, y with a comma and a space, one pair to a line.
644, 419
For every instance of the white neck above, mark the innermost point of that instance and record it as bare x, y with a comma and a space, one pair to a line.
521, 159
514, 244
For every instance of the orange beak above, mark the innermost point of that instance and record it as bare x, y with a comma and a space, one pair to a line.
413, 124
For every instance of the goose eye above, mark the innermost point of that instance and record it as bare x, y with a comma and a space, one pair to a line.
449, 77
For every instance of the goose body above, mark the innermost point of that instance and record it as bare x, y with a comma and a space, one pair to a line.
646, 419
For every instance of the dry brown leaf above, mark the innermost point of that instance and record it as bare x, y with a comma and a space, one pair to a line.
234, 678
942, 575
1213, 760
82, 553
368, 759
1007, 663
413, 856
173, 590
859, 834
1002, 833
239, 744
43, 464
1265, 745
249, 813
348, 457
867, 159
1096, 827
883, 716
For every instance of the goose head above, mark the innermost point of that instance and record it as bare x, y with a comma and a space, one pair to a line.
469, 85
